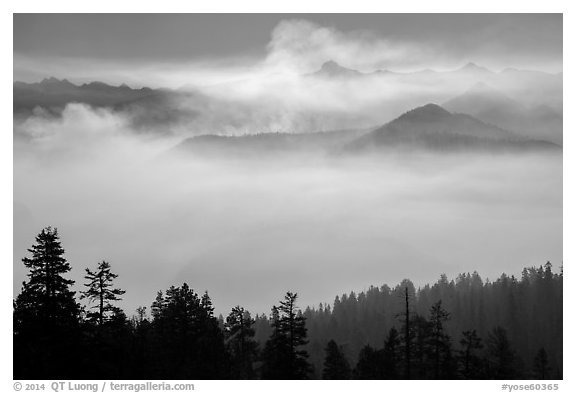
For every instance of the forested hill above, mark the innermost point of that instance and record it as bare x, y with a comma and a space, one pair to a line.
466, 328
528, 309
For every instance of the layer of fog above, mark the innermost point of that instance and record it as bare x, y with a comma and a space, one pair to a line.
306, 103
247, 231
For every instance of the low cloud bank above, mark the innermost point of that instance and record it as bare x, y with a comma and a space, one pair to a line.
248, 231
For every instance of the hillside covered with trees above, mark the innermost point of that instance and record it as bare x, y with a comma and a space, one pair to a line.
466, 328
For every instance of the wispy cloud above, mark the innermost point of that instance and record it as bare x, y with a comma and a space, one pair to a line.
296, 46
303, 46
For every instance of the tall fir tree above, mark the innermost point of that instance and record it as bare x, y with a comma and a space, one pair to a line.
289, 360
46, 296
242, 347
187, 339
46, 314
100, 291
275, 355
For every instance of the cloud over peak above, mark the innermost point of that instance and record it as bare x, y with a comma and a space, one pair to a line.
303, 46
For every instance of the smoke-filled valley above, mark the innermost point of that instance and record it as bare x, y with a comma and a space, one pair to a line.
336, 161
277, 211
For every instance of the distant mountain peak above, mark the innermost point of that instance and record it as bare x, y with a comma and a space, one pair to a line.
55, 81
431, 127
50, 80
333, 69
427, 112
96, 84
471, 64
331, 65
473, 67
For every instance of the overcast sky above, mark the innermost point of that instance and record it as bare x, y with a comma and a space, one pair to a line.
78, 45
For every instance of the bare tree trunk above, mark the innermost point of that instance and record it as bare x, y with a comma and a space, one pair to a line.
101, 316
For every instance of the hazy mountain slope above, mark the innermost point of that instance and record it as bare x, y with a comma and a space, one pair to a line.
331, 69
527, 102
482, 98
429, 127
160, 111
267, 144
492, 106
53, 95
433, 128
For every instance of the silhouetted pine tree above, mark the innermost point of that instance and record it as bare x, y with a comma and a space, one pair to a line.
46, 315
184, 340
107, 335
210, 343
275, 358
240, 343
282, 356
100, 291
188, 342
336, 365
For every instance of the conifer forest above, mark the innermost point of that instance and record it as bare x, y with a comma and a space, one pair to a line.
461, 328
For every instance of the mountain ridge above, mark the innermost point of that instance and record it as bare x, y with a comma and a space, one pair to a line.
333, 68
431, 127
53, 94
